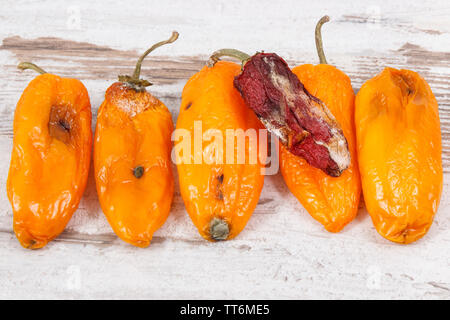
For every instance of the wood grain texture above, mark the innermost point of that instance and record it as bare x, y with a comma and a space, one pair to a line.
283, 252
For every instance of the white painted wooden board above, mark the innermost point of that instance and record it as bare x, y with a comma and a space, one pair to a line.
283, 252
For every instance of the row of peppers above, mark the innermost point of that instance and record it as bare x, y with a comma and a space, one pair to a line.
385, 142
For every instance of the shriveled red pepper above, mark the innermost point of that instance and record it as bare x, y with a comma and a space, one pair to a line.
301, 121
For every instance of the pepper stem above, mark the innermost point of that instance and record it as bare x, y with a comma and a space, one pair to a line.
319, 45
137, 70
233, 53
134, 79
32, 66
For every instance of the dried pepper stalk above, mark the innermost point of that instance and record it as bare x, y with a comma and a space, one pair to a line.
301, 121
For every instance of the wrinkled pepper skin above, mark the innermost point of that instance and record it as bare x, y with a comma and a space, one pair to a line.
218, 192
399, 153
333, 201
133, 130
300, 120
50, 157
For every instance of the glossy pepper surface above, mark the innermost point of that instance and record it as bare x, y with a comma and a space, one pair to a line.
333, 201
132, 158
399, 153
219, 196
50, 156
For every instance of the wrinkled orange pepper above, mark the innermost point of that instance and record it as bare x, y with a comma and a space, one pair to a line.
399, 153
132, 158
333, 201
50, 156
219, 197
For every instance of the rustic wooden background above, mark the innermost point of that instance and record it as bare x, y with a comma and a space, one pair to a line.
283, 252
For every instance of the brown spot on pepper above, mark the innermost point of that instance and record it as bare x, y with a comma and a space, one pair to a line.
61, 121
219, 187
64, 125
138, 172
188, 106
31, 244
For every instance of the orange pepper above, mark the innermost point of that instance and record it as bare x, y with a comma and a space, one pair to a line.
219, 197
333, 201
399, 153
132, 158
50, 156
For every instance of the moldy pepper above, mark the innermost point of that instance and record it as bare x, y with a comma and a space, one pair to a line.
50, 156
132, 157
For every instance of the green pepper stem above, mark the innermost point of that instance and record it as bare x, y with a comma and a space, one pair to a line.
233, 53
137, 70
32, 66
319, 45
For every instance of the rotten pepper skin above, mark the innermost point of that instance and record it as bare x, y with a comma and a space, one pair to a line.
219, 198
132, 163
50, 156
333, 201
301, 121
399, 153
